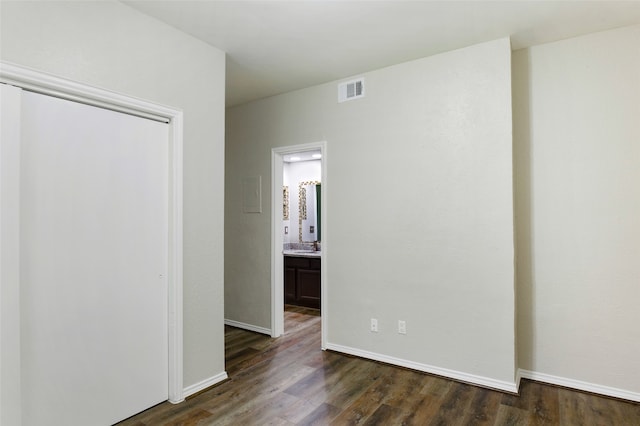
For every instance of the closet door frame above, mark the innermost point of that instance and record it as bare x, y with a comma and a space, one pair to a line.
43, 83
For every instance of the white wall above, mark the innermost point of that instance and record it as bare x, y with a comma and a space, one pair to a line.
577, 162
110, 45
419, 210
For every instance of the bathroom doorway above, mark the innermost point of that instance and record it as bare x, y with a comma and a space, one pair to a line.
298, 230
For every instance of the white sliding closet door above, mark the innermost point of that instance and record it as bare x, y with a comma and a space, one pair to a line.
93, 263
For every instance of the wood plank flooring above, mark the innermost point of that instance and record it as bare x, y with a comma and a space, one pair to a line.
290, 381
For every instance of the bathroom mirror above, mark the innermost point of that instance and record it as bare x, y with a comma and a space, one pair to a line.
285, 203
309, 211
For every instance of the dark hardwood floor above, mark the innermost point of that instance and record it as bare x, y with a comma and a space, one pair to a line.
290, 381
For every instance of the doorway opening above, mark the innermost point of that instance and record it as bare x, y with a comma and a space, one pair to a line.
299, 232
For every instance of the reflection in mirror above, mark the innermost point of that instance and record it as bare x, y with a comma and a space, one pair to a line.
308, 206
285, 203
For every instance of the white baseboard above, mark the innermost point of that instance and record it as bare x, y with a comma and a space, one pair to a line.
486, 382
197, 387
518, 378
580, 385
249, 327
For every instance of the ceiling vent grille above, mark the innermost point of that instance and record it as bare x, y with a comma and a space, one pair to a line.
350, 90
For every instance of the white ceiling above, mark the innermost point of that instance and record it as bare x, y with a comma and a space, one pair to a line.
278, 46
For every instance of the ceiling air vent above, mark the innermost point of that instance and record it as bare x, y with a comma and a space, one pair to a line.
349, 90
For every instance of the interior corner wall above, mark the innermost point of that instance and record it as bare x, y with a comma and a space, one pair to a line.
110, 45
419, 210
577, 167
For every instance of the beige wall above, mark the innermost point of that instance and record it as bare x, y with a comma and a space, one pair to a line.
419, 210
577, 163
110, 45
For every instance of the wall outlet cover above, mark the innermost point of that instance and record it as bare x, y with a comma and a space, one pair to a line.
374, 325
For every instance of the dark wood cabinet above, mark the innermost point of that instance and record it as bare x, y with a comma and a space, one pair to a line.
302, 281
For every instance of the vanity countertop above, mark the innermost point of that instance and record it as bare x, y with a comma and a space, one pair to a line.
302, 253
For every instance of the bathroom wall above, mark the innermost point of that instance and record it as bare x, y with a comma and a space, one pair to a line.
419, 179
293, 174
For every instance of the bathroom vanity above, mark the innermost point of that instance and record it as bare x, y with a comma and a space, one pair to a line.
302, 278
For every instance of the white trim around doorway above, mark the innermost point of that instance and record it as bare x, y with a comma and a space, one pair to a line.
277, 240
43, 83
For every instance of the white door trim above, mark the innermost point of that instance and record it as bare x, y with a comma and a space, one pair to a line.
10, 360
277, 240
44, 83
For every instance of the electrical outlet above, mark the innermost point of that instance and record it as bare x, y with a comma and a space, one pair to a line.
374, 325
402, 327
